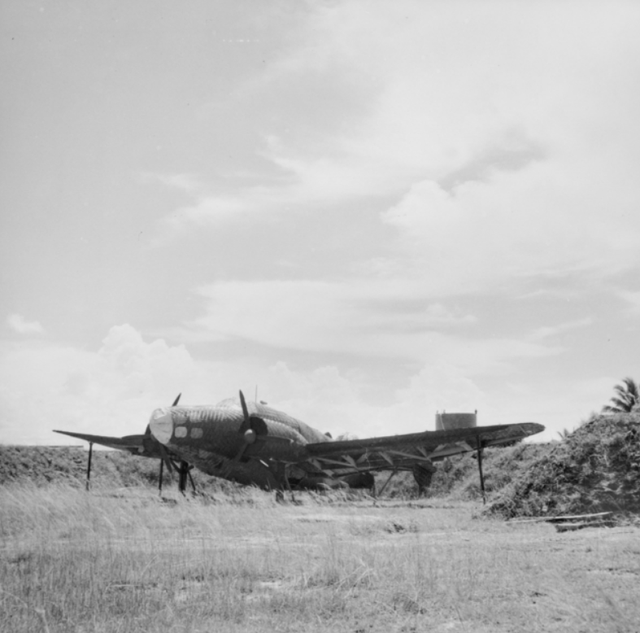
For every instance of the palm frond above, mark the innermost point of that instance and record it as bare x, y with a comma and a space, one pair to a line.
628, 396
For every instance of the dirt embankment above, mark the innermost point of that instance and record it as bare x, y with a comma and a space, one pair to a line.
68, 465
41, 465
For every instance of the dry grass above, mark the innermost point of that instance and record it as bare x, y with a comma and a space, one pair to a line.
128, 561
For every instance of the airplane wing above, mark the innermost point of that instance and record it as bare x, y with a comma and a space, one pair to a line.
130, 443
403, 452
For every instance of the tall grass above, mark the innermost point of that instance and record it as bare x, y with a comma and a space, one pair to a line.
131, 561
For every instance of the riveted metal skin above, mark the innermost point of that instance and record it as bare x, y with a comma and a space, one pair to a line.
220, 439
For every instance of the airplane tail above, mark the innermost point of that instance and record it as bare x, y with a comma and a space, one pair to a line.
452, 421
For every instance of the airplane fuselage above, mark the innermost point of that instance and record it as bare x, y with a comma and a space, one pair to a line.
211, 439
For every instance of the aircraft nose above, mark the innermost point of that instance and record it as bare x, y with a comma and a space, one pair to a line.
161, 425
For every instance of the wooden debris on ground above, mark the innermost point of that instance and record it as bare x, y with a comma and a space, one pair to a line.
568, 523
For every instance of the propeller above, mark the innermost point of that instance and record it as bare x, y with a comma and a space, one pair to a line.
252, 428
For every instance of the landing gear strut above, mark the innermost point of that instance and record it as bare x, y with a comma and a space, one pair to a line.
184, 473
88, 484
479, 454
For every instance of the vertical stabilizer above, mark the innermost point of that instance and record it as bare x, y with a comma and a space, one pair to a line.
451, 421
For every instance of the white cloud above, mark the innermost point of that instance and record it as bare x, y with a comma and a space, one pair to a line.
501, 143
19, 324
387, 319
487, 145
523, 224
491, 128
335, 401
548, 331
631, 298
111, 391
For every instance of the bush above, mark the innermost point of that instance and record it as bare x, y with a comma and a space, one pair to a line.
595, 469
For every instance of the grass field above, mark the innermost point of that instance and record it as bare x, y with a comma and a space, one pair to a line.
125, 560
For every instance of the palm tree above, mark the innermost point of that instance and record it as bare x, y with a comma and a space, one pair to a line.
626, 399
564, 434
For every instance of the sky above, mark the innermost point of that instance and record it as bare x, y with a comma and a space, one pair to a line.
359, 211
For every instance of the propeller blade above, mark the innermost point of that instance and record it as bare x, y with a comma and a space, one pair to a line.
175, 402
251, 422
252, 428
240, 453
246, 422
